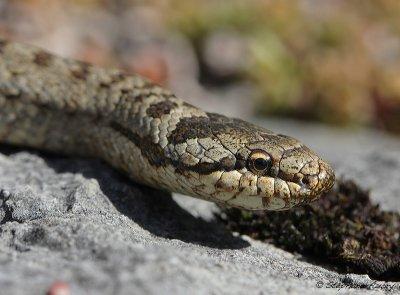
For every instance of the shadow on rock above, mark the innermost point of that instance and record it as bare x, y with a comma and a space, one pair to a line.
152, 209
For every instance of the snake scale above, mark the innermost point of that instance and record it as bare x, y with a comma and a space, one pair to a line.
70, 107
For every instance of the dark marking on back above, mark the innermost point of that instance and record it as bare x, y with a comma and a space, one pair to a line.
42, 58
12, 96
81, 72
147, 84
117, 77
186, 104
284, 136
161, 108
3, 44
139, 98
151, 151
113, 79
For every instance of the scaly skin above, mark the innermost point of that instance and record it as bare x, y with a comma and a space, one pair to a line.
65, 106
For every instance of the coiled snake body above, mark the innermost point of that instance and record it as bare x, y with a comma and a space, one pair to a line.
69, 107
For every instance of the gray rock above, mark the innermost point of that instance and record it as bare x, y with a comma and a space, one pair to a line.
80, 222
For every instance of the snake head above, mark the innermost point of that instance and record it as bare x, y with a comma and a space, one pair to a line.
253, 168
236, 163
286, 173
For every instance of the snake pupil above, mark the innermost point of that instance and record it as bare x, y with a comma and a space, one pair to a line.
260, 164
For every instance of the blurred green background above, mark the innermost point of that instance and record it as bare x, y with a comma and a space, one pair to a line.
332, 61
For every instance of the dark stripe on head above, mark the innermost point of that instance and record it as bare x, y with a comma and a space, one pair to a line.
201, 168
214, 125
156, 155
151, 151
206, 168
190, 128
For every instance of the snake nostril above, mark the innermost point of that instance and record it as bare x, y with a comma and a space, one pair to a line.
305, 181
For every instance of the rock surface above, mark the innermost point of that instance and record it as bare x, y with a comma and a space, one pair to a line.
78, 221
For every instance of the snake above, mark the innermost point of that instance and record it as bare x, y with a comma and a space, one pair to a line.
65, 106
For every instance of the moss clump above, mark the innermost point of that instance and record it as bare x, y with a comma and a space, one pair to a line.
344, 228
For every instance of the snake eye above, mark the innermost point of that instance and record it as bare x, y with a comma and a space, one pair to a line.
259, 162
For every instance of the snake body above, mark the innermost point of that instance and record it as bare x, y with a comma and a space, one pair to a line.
70, 107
